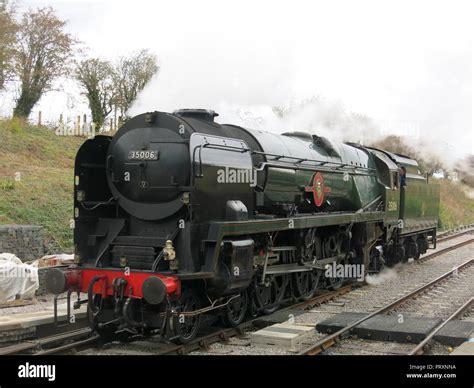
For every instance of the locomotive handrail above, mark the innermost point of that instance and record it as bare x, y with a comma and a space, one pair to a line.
367, 206
278, 157
308, 168
297, 164
212, 146
200, 160
96, 204
319, 163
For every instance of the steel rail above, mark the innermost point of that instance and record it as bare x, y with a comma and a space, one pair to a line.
459, 231
332, 339
444, 250
419, 349
452, 236
33, 344
72, 345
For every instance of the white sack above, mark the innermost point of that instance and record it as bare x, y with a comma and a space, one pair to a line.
53, 260
17, 279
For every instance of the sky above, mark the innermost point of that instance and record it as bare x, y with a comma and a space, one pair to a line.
405, 64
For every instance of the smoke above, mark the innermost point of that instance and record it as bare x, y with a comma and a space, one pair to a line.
465, 173
253, 87
243, 76
386, 275
315, 115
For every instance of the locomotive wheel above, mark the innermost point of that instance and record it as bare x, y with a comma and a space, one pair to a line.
106, 333
334, 283
377, 262
278, 289
305, 284
185, 328
271, 295
253, 309
234, 312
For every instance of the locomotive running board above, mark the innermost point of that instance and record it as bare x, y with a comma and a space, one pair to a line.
286, 268
219, 230
321, 264
307, 266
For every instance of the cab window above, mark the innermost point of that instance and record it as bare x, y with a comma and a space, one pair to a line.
395, 180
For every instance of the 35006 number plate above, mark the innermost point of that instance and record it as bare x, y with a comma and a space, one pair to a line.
143, 155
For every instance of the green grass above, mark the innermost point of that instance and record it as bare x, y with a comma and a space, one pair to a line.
36, 180
456, 208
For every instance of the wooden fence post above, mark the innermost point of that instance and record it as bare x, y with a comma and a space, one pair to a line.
85, 130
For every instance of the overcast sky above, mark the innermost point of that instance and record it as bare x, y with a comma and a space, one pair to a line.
404, 63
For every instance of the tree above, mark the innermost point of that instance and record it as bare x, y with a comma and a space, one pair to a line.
131, 75
8, 29
96, 77
465, 170
395, 144
43, 53
427, 162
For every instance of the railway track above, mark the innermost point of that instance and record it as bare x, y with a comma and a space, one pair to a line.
333, 339
456, 232
446, 250
83, 339
53, 344
420, 348
224, 334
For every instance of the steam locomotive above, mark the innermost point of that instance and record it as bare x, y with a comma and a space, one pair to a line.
178, 217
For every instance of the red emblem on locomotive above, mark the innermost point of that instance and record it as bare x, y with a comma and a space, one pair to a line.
317, 188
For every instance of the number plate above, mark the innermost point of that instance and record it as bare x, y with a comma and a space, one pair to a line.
143, 155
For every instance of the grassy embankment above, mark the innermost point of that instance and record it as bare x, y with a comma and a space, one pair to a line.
36, 180
456, 208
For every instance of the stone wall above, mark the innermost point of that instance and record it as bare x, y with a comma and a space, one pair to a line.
24, 241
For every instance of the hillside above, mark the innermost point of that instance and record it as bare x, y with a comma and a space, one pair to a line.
43, 195
456, 207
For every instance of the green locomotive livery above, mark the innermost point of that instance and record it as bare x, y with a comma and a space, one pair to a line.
177, 214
